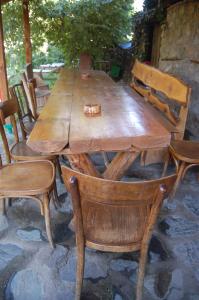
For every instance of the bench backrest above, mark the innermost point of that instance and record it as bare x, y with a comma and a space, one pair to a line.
152, 83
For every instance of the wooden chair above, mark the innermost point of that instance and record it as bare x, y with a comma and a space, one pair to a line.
169, 95
40, 96
19, 151
114, 216
26, 118
40, 84
30, 96
36, 99
186, 156
21, 180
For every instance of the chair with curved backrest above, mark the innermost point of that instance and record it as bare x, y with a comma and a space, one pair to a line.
26, 118
36, 98
19, 151
186, 155
21, 180
40, 84
40, 96
114, 216
31, 99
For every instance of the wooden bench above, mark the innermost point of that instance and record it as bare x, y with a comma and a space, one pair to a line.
168, 94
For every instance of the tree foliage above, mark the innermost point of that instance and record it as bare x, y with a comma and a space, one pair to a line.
67, 27
90, 26
14, 37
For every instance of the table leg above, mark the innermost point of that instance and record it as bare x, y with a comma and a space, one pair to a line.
82, 163
115, 170
120, 163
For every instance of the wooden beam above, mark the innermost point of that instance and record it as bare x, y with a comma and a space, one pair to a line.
26, 26
4, 94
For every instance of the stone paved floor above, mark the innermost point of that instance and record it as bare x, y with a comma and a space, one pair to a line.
31, 270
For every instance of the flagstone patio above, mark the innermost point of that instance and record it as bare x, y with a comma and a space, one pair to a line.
31, 270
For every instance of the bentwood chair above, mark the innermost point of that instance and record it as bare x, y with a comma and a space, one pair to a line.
40, 84
36, 98
21, 180
185, 155
26, 118
114, 216
19, 151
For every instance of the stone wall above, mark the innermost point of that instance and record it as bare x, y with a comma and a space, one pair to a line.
179, 52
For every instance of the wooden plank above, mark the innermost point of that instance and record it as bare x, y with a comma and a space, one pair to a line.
171, 86
50, 133
3, 72
126, 120
158, 116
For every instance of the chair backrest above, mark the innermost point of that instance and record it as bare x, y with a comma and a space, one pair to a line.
29, 71
29, 87
155, 85
8, 109
115, 216
17, 93
30, 75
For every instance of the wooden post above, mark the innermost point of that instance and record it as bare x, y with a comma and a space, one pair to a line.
26, 26
4, 94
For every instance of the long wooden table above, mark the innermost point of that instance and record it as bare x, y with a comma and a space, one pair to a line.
127, 124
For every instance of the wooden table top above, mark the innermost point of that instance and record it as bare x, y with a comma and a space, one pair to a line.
126, 120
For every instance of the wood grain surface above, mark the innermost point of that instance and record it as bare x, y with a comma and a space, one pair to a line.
126, 120
51, 132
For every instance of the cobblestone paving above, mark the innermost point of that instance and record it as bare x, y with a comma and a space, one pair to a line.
31, 270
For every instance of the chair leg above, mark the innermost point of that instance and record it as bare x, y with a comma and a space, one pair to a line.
79, 271
179, 177
105, 158
166, 164
10, 202
3, 207
141, 272
55, 197
47, 219
186, 169
59, 169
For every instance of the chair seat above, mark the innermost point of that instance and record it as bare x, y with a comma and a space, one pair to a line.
26, 178
21, 151
187, 151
